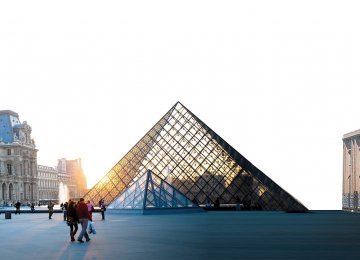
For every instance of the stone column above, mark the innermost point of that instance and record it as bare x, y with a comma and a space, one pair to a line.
25, 191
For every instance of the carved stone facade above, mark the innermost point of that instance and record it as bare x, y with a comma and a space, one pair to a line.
48, 184
18, 160
351, 171
21, 179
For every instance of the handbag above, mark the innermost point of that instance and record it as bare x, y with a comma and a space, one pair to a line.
92, 228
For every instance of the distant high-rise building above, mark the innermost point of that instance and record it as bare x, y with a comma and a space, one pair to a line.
351, 171
72, 174
18, 160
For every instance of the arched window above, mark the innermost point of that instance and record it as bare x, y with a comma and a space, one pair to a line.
9, 168
11, 189
3, 191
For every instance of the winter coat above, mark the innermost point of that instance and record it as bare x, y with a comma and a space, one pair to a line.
82, 211
71, 214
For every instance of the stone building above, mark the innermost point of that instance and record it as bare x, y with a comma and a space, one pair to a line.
48, 184
67, 177
18, 160
21, 179
351, 171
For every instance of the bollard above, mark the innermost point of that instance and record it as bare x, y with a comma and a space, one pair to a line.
7, 215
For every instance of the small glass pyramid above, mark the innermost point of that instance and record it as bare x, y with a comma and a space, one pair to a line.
150, 192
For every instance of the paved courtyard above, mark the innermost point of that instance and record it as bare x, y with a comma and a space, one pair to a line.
211, 235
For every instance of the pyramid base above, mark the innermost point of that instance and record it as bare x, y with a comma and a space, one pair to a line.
156, 211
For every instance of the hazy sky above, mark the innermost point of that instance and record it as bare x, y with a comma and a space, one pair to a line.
279, 81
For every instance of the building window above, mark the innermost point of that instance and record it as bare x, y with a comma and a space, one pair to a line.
9, 168
8, 151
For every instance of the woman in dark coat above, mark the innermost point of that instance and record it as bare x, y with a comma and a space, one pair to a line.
72, 219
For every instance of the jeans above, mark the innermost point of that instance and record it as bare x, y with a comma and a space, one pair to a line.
84, 224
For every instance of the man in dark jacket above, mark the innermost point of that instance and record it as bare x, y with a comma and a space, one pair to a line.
84, 217
17, 206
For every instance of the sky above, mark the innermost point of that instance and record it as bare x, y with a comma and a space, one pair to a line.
278, 80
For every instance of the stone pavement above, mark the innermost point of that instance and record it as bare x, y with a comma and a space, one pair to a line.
211, 235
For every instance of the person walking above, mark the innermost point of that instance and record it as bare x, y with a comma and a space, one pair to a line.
17, 207
102, 208
51, 209
65, 207
84, 217
72, 219
32, 207
90, 208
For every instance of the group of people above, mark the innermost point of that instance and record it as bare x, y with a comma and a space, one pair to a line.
74, 214
80, 213
18, 205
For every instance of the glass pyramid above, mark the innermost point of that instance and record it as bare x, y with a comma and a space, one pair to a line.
190, 156
150, 191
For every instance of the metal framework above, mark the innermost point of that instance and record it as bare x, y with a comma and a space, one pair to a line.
196, 161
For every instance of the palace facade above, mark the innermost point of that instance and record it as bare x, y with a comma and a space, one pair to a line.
21, 178
351, 171
18, 160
